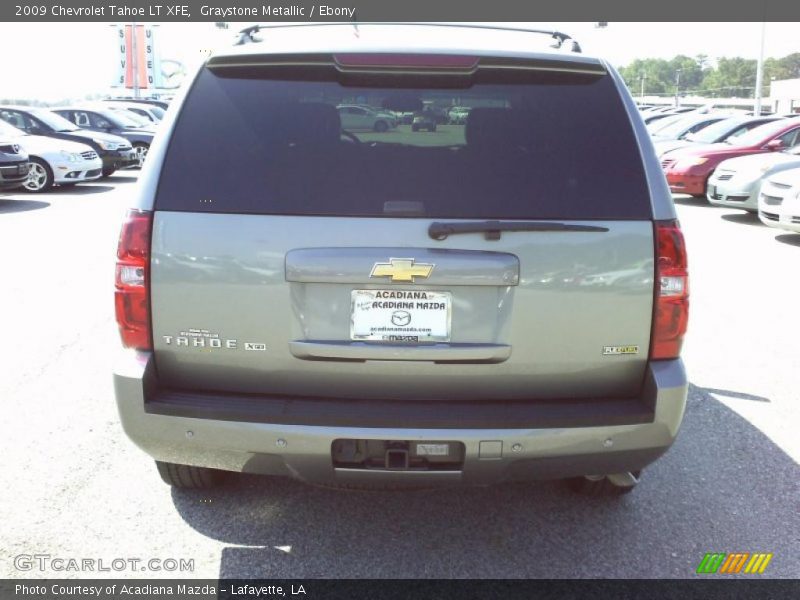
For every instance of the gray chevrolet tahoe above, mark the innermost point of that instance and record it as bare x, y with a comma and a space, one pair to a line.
501, 299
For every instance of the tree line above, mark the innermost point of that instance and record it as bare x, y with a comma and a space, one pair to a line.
699, 75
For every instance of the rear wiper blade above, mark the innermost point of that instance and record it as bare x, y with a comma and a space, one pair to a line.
492, 229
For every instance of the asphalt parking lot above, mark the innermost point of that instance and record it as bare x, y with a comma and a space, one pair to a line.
75, 487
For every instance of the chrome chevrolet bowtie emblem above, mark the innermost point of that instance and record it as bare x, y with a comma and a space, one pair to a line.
402, 269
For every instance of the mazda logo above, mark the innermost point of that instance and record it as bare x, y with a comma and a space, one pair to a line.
401, 318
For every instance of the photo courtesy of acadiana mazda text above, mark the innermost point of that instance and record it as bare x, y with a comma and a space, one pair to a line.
394, 257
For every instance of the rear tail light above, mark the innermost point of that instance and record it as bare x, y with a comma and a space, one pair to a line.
132, 297
671, 312
406, 61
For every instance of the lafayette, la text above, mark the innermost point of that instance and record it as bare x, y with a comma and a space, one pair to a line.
182, 590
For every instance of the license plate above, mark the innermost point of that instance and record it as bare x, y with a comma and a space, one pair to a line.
400, 316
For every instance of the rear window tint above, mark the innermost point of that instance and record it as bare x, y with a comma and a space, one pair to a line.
551, 149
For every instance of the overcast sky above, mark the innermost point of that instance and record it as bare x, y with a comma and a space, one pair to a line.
51, 61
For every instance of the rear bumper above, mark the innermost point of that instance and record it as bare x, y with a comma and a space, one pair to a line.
502, 441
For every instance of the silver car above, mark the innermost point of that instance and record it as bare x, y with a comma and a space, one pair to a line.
344, 308
736, 182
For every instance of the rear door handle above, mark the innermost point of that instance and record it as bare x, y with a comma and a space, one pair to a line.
441, 352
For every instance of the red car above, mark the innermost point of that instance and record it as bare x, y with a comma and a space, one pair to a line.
688, 169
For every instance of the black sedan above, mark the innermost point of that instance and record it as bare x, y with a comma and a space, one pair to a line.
105, 119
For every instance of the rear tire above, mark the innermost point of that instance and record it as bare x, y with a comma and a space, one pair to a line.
187, 477
381, 126
601, 485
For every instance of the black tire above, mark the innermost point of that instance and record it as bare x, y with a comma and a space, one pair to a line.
44, 176
108, 171
414, 128
187, 477
599, 487
433, 129
381, 126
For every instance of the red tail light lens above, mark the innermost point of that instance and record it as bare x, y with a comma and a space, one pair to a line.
671, 314
132, 295
431, 61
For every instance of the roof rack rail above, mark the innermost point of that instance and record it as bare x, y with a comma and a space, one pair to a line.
248, 34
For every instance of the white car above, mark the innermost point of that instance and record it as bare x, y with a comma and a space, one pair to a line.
53, 161
736, 182
354, 116
779, 201
150, 115
458, 115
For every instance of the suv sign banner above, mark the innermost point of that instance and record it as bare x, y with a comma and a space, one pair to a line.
252, 11
138, 49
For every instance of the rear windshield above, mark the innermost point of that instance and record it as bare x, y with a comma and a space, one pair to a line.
562, 147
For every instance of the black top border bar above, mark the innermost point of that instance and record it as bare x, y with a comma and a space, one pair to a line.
265, 11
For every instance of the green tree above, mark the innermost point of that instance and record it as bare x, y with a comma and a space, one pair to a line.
730, 77
734, 77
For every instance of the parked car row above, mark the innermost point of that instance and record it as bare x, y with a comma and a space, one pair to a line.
65, 146
767, 184
48, 161
741, 161
362, 117
689, 169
